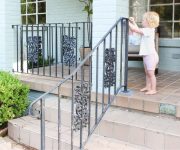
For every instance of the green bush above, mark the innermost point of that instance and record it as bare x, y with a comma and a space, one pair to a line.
13, 98
40, 63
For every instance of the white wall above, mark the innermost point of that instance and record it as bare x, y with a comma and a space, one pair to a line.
64, 11
9, 15
105, 14
2, 37
122, 8
169, 54
57, 11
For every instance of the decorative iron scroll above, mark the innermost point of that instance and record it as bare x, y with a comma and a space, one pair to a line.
68, 47
81, 99
109, 74
34, 48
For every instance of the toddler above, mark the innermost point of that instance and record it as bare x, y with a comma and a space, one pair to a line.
147, 48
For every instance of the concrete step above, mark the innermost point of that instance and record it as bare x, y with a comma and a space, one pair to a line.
7, 144
160, 103
104, 143
153, 131
150, 132
26, 130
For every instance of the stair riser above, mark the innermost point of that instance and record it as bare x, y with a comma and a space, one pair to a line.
124, 132
24, 136
155, 140
120, 101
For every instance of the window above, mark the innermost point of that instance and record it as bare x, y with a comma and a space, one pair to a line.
169, 11
33, 11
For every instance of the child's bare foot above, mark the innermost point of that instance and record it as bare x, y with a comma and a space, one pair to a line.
151, 92
144, 89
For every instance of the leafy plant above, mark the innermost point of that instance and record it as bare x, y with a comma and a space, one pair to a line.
40, 62
89, 10
13, 97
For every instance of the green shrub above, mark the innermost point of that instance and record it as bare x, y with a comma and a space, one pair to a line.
40, 63
13, 97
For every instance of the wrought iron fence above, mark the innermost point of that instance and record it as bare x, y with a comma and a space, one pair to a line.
93, 92
50, 49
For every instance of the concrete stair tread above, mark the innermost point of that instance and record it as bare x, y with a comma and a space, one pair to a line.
152, 131
104, 143
159, 103
116, 115
7, 144
138, 128
26, 130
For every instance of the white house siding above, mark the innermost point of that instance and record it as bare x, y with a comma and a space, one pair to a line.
59, 11
2, 37
9, 15
105, 14
67, 11
169, 54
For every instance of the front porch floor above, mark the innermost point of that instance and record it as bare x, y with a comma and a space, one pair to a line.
166, 101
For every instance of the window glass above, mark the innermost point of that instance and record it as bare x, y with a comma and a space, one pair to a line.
138, 3
168, 10
23, 8
160, 1
166, 30
177, 29
31, 19
33, 11
31, 8
165, 12
41, 19
177, 1
23, 1
23, 19
137, 13
41, 7
177, 13
31, 0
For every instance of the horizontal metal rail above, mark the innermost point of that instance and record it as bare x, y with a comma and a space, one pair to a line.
96, 85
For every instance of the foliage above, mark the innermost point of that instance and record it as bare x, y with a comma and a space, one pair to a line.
87, 6
13, 97
40, 62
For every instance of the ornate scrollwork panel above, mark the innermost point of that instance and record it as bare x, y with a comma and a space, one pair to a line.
68, 46
34, 48
81, 103
109, 74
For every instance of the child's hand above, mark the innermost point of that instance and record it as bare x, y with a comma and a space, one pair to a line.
131, 19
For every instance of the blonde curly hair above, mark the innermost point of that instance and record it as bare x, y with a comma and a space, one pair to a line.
152, 19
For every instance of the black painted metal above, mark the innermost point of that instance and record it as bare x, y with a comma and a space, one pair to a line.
96, 88
109, 74
60, 43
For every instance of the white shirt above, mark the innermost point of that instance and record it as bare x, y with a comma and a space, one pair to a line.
147, 45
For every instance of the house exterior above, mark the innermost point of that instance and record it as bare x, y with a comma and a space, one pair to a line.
105, 13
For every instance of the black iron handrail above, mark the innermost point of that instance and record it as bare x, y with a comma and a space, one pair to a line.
114, 78
50, 49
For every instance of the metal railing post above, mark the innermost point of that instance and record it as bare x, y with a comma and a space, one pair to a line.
126, 55
42, 124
